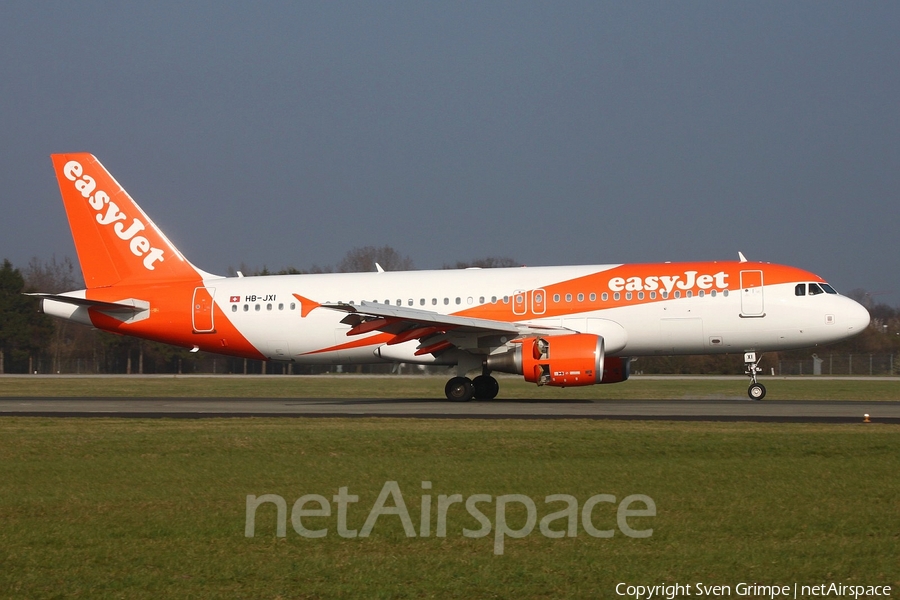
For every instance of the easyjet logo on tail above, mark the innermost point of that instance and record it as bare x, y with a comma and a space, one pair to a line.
108, 213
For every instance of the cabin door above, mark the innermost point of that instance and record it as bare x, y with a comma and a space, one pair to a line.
752, 294
202, 313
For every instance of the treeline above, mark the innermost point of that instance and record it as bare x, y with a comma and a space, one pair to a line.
33, 342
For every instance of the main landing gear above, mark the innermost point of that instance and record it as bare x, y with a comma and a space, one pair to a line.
463, 389
756, 391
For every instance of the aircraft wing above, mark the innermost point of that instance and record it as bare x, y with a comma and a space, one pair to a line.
436, 332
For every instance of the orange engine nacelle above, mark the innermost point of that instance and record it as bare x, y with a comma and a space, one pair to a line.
562, 360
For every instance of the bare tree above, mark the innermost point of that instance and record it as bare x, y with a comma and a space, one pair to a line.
488, 262
254, 271
52, 276
360, 260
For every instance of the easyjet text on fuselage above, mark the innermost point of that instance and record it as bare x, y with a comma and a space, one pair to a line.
686, 281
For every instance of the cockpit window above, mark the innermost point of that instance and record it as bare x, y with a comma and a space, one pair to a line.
828, 289
814, 289
800, 290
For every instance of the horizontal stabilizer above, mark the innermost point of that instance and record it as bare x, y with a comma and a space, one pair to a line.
125, 306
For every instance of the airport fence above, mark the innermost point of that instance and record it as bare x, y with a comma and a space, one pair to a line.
840, 364
202, 363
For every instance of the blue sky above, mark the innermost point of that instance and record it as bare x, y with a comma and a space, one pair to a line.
285, 134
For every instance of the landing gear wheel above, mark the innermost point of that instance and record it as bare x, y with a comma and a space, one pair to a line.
459, 389
757, 391
486, 387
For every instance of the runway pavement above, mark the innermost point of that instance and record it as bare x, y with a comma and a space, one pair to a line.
675, 410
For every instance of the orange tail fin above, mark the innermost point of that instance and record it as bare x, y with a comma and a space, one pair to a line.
115, 240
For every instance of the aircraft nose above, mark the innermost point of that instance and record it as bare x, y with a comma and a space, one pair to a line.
856, 317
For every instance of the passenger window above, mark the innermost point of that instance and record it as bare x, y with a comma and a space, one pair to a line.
246, 308
690, 294
434, 301
234, 308
293, 306
653, 295
421, 301
640, 295
568, 297
701, 293
581, 297
677, 294
800, 289
665, 295
493, 299
605, 296
556, 297
713, 293
446, 301
593, 297
628, 295
725, 293
458, 300
616, 296
256, 307
505, 299
281, 306
268, 307
480, 299
410, 302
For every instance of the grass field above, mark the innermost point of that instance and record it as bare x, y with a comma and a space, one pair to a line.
350, 386
148, 508
131, 508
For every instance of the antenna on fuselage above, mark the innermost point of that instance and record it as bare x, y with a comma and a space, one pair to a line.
741, 257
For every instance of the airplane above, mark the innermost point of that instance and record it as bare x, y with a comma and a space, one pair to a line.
561, 326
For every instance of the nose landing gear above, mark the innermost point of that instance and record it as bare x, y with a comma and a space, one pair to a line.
756, 391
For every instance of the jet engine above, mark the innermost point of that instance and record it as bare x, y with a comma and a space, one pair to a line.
561, 360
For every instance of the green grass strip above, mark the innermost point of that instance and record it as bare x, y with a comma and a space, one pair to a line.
131, 508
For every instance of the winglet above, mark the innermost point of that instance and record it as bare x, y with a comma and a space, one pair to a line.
306, 305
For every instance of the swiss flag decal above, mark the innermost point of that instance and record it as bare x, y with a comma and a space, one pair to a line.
235, 299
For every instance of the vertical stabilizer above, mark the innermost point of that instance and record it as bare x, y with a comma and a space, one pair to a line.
115, 240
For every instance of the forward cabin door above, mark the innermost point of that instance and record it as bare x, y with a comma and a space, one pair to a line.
202, 310
752, 294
